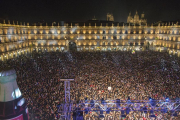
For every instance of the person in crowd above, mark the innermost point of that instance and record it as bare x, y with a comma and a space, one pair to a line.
138, 76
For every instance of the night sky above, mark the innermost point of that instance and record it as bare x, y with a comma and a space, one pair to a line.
83, 10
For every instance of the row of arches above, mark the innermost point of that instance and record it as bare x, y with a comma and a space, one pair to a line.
29, 51
12, 46
32, 43
6, 39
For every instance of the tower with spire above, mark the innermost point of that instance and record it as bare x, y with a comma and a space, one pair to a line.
130, 18
110, 17
142, 15
136, 19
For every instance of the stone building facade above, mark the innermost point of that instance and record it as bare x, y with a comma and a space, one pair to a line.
24, 39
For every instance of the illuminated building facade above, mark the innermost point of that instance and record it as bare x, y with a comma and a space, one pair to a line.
24, 39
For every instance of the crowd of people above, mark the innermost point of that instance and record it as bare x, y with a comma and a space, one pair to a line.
137, 76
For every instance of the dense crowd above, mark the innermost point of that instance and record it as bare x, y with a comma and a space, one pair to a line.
137, 76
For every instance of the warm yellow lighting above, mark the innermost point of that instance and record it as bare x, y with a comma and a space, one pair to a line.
84, 31
95, 31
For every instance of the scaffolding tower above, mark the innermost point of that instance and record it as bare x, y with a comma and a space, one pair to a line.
67, 106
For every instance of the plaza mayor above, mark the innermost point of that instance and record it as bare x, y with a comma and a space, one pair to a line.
90, 70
